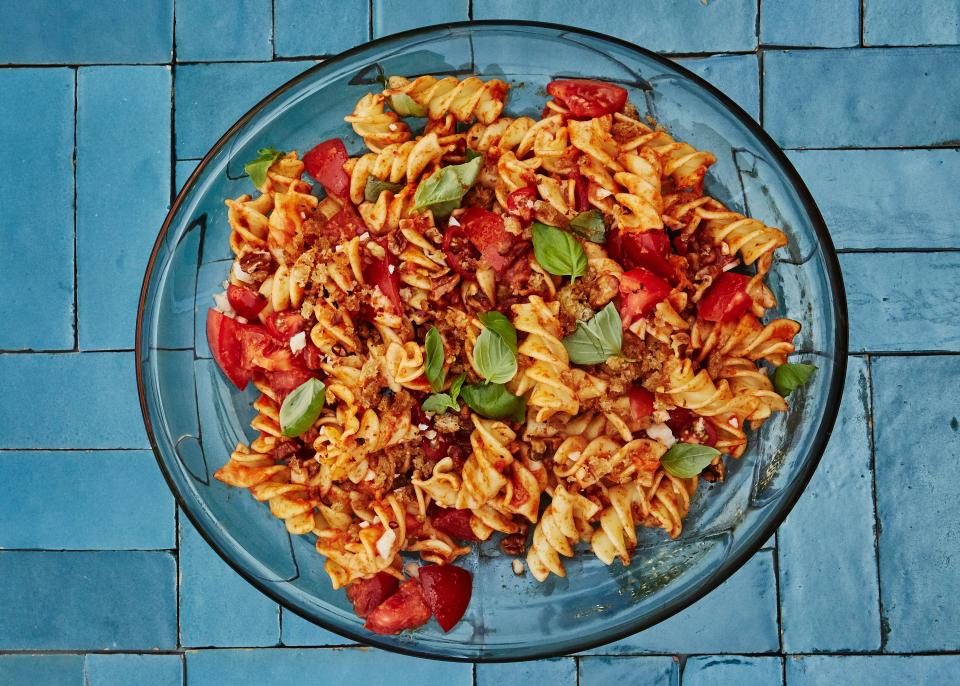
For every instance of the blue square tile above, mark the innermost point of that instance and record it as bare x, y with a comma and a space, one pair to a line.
107, 500
747, 600
123, 189
820, 591
559, 671
298, 26
917, 421
88, 601
93, 32
901, 191
902, 301
894, 22
36, 123
70, 400
636, 671
670, 27
848, 102
142, 670
733, 670
42, 670
875, 670
297, 631
202, 118
738, 76
218, 607
809, 23
209, 31
394, 16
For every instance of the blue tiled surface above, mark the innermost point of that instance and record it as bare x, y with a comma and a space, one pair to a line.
866, 562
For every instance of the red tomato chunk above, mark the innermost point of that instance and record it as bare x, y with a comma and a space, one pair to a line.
520, 203
641, 402
367, 594
285, 325
245, 302
380, 274
486, 231
726, 299
223, 335
325, 163
405, 609
640, 291
455, 523
586, 98
447, 590
648, 249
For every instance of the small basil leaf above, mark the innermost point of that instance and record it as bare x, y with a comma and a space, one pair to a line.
374, 187
791, 376
257, 169
443, 190
558, 252
405, 106
590, 225
456, 386
596, 340
302, 407
433, 367
687, 460
494, 401
438, 403
472, 155
493, 358
500, 325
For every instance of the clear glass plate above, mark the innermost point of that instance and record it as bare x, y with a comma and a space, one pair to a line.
194, 416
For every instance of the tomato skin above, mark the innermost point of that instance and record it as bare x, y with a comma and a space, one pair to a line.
367, 594
641, 402
487, 232
648, 249
284, 382
520, 202
447, 590
640, 291
581, 187
378, 273
460, 252
726, 299
223, 335
345, 224
682, 419
325, 163
285, 325
456, 523
245, 302
586, 98
405, 609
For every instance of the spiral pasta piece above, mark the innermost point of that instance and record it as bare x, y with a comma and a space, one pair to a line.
747, 338
249, 225
395, 163
640, 207
483, 471
464, 99
681, 161
377, 126
500, 135
562, 524
549, 393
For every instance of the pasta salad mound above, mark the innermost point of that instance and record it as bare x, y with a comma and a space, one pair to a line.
539, 329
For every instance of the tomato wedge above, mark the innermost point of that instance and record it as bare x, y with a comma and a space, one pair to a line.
284, 382
585, 98
245, 302
726, 299
285, 325
682, 420
223, 335
461, 254
367, 594
447, 590
379, 273
520, 203
456, 523
258, 348
405, 609
487, 232
325, 163
648, 249
640, 291
641, 402
345, 224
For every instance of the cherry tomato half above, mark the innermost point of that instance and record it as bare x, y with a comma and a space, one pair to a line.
726, 299
640, 291
325, 163
585, 98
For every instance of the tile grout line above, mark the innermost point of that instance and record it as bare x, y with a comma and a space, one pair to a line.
273, 30
871, 424
775, 554
862, 14
76, 284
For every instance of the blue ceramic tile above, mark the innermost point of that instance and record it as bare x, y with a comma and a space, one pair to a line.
123, 188
332, 666
855, 98
142, 670
107, 500
319, 27
636, 671
41, 670
70, 400
92, 32
560, 671
208, 31
917, 424
88, 601
738, 76
874, 670
820, 590
297, 631
36, 124
671, 27
733, 670
393, 16
747, 600
894, 22
903, 301
217, 606
909, 193
809, 23
202, 118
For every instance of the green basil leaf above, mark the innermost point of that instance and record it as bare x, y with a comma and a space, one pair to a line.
558, 252
257, 169
791, 376
494, 401
443, 190
438, 403
687, 460
456, 386
433, 367
590, 225
405, 106
596, 340
375, 186
302, 407
471, 155
500, 325
493, 358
